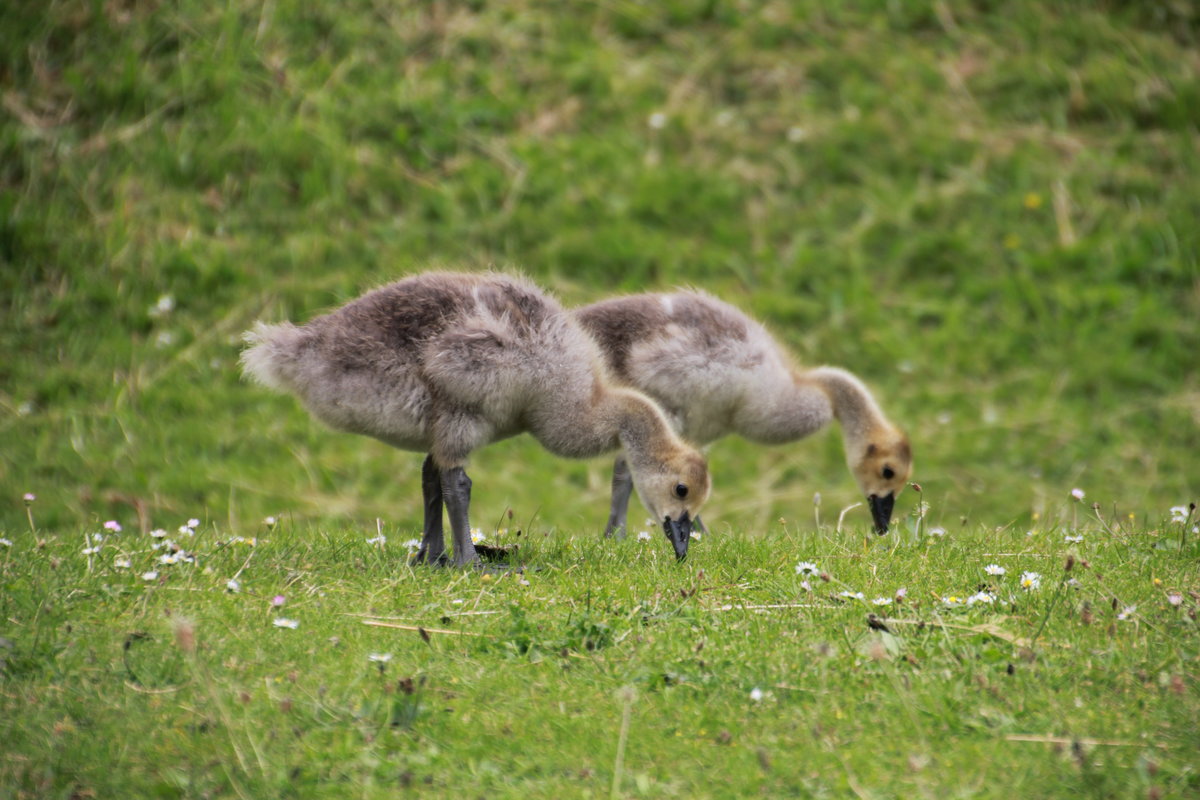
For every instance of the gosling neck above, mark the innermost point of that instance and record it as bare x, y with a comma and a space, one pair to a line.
852, 403
640, 425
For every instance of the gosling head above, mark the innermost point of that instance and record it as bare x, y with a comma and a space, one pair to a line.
674, 488
881, 464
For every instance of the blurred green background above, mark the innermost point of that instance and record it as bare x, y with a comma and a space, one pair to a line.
987, 210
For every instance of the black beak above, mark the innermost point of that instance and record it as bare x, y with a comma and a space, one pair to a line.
679, 533
881, 511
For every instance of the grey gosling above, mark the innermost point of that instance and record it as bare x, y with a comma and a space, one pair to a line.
715, 372
445, 363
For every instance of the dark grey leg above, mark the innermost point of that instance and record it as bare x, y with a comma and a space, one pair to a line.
433, 543
622, 487
456, 491
698, 525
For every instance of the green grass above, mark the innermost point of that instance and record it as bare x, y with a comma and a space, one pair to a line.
987, 211
519, 685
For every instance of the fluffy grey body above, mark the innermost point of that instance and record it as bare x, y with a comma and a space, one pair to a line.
445, 363
715, 371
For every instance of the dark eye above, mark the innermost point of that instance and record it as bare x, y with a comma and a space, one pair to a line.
888, 473
681, 490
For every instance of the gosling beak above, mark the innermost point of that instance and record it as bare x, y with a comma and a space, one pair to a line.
881, 511
679, 533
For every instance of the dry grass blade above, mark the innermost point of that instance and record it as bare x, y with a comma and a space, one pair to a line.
417, 628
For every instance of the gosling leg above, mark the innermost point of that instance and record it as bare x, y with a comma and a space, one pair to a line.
622, 487
456, 491
433, 543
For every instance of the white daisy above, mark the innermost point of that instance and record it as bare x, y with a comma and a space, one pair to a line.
807, 568
995, 569
981, 597
284, 622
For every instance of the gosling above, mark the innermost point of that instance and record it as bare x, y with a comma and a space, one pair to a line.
715, 372
444, 363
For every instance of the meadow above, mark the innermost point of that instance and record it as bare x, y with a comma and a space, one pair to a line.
988, 211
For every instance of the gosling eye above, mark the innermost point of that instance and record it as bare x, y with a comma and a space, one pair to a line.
681, 490
888, 473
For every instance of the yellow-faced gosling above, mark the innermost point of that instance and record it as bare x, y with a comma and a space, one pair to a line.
445, 363
715, 372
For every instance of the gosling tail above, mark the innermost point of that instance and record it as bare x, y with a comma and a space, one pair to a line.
270, 354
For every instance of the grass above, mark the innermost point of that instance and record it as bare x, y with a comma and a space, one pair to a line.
988, 213
523, 683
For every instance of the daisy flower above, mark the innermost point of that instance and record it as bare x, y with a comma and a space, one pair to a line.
953, 600
477, 536
379, 658
91, 551
643, 536
233, 585
284, 622
696, 535
995, 569
1175, 598
112, 525
1031, 581
756, 694
380, 540
1178, 513
158, 533
882, 601
150, 576
1126, 612
1077, 494
937, 531
981, 597
807, 568
1073, 539
29, 497
5, 543
122, 563
852, 595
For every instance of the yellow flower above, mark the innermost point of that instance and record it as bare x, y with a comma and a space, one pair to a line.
1033, 201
